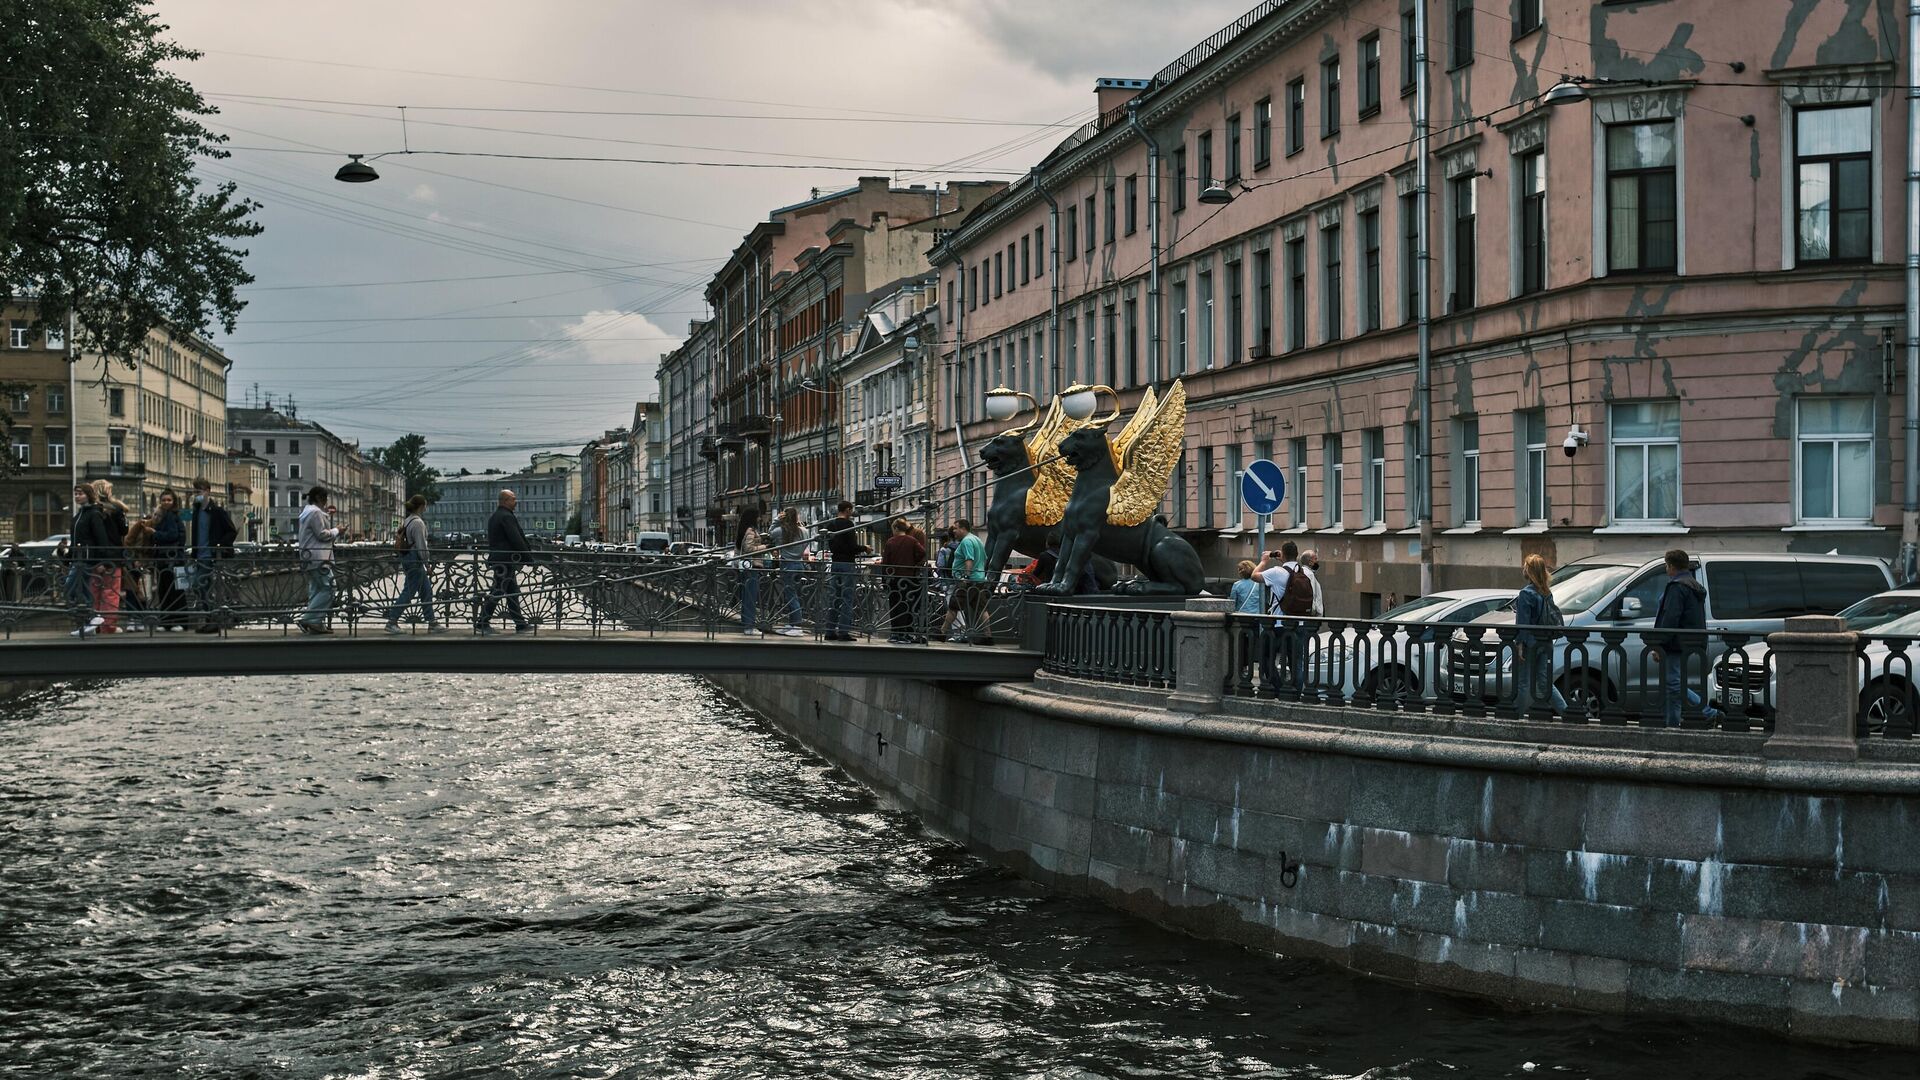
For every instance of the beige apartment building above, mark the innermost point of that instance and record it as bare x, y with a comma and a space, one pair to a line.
156, 425
1688, 273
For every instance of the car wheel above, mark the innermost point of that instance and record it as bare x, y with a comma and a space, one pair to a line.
1585, 694
1395, 684
1886, 705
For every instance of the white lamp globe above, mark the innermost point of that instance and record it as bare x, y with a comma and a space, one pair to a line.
1002, 403
1079, 401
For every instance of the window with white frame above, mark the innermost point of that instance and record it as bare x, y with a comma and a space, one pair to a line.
56, 338
1531, 237
1833, 448
293, 471
1462, 239
1298, 454
116, 448
1533, 428
1466, 486
1833, 160
23, 448
1643, 215
1373, 483
17, 334
1334, 461
56, 400
56, 449
1411, 474
1645, 438
1206, 320
1180, 328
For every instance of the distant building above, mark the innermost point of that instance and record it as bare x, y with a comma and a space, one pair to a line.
466, 502
302, 453
39, 401
247, 484
888, 380
690, 450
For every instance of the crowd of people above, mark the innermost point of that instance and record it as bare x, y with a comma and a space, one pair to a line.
145, 572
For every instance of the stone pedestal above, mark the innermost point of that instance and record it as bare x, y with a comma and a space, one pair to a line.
1816, 691
1200, 647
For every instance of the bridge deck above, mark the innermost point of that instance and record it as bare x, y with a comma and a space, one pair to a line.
273, 652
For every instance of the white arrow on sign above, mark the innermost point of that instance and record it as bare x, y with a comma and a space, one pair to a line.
1261, 484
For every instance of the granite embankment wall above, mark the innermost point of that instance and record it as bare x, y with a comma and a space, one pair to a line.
1607, 870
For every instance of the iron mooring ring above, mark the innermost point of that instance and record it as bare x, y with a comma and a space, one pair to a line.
1289, 872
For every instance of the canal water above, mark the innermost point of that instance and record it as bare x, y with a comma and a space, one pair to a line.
428, 876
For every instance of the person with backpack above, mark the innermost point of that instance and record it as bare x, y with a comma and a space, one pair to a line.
1534, 612
1683, 606
1291, 587
411, 541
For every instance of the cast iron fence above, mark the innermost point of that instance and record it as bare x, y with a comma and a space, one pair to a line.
1128, 646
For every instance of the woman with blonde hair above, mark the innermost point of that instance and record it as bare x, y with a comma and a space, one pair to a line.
1249, 594
109, 572
1537, 617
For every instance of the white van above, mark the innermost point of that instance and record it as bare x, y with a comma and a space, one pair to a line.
651, 543
573, 540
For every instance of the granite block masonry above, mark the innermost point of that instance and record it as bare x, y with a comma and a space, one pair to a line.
1716, 884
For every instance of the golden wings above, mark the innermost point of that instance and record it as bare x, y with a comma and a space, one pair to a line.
1145, 454
1053, 480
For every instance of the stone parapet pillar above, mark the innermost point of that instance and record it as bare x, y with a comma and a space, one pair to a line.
1816, 695
1200, 648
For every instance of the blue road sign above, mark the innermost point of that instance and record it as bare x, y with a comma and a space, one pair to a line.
1263, 486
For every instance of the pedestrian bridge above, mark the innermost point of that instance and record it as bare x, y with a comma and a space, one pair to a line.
585, 613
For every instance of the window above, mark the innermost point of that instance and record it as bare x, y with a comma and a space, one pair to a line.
1263, 301
1179, 178
56, 400
293, 446
1026, 259
1233, 147
973, 287
1642, 211
1533, 477
1026, 370
1462, 194
1533, 221
1203, 149
999, 272
1039, 250
22, 447
56, 449
1111, 332
1113, 213
1467, 484
1233, 477
1373, 482
1091, 231
1298, 454
1073, 233
1646, 461
1296, 116
1133, 344
293, 471
1262, 132
116, 448
1410, 257
1409, 53
1133, 204
1334, 462
1330, 98
1236, 315
1370, 74
17, 334
1330, 291
1180, 328
1369, 270
1411, 463
1206, 320
1462, 33
1070, 372
1092, 326
1834, 448
270, 445
1297, 293
19, 400
1527, 17
246, 446
1009, 267
1833, 158
116, 402
56, 339
1178, 490
1205, 480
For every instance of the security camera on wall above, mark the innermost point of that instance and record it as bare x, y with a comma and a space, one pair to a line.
1576, 438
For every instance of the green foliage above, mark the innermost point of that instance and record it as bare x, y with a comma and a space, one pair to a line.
408, 457
100, 213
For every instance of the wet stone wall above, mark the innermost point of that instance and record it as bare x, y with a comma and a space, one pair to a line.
1773, 906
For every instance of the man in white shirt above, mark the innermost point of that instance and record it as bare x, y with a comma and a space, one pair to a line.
1290, 585
316, 536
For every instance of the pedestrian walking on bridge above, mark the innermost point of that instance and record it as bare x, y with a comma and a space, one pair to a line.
904, 557
507, 551
210, 537
89, 547
844, 548
412, 544
317, 534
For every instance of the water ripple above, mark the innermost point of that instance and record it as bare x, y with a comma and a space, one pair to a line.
414, 876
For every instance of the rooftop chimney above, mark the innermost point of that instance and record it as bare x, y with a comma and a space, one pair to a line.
1113, 93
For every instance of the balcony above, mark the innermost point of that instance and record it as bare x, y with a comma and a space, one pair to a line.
108, 470
754, 426
710, 447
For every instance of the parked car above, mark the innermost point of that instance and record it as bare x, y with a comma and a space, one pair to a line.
1744, 680
1397, 661
43, 549
1747, 593
572, 540
651, 543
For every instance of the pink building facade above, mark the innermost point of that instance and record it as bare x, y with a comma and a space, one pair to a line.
1698, 266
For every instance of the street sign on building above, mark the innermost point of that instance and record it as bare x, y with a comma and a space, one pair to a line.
1263, 487
887, 481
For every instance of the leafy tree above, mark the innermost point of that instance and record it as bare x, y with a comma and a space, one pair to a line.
100, 212
408, 457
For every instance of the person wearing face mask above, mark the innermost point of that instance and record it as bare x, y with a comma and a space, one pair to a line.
210, 536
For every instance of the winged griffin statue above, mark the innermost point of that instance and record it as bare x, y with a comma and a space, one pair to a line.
1030, 490
1117, 487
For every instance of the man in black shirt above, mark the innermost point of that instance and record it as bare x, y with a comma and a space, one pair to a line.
844, 546
507, 550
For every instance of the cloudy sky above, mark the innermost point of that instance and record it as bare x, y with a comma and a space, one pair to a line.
503, 305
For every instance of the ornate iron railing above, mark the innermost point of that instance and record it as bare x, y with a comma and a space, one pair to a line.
1128, 646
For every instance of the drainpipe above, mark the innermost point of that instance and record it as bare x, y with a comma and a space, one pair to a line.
1153, 239
1910, 500
1423, 379
1053, 281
